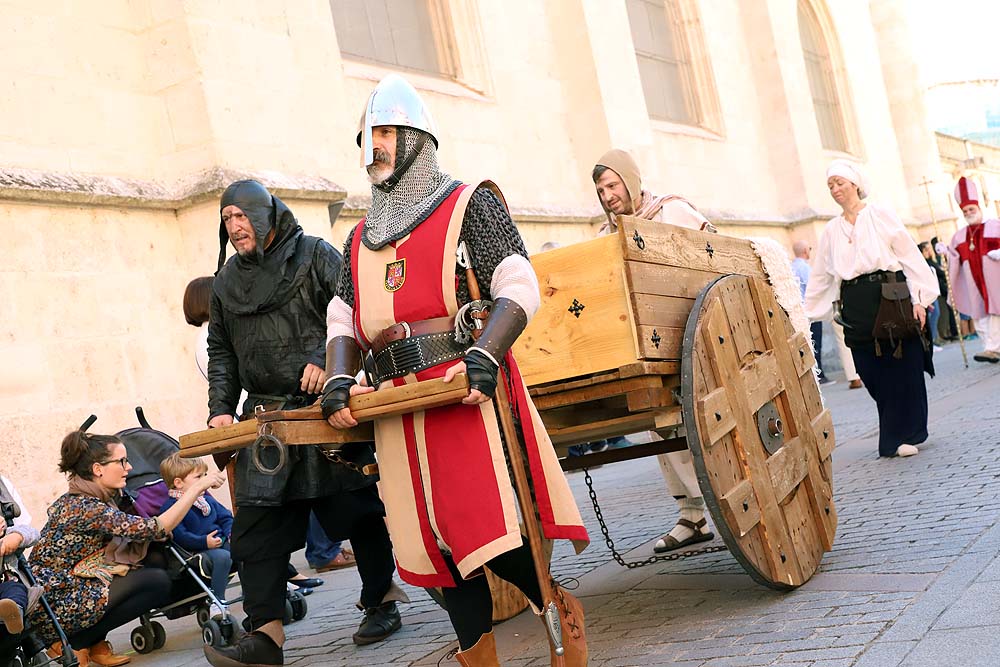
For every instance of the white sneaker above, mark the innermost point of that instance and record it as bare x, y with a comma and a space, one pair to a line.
906, 450
938, 348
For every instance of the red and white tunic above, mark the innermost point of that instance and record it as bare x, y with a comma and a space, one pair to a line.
444, 477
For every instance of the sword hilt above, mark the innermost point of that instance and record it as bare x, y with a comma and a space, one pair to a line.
554, 627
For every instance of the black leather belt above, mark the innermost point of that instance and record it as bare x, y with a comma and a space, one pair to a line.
410, 355
875, 277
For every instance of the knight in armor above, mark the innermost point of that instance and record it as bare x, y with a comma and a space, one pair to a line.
974, 264
406, 303
267, 334
619, 188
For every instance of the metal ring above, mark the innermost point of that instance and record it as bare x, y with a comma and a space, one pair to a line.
268, 440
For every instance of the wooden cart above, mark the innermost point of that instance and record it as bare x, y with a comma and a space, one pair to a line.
676, 331
665, 329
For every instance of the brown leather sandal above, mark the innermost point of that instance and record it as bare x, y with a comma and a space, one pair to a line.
671, 543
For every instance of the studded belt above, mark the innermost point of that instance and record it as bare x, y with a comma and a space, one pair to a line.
410, 355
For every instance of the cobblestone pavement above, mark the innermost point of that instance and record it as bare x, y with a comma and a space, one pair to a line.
913, 579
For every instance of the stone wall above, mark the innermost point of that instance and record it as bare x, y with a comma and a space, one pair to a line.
121, 121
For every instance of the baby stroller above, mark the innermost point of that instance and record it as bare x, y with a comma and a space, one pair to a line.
25, 649
146, 448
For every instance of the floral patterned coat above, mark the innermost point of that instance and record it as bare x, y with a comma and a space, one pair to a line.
77, 527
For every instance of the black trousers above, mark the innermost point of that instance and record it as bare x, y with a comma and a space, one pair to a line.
265, 537
900, 392
130, 597
470, 602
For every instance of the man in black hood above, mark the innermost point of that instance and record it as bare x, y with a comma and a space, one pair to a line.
267, 334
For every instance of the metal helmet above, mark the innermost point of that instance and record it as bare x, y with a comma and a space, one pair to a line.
393, 102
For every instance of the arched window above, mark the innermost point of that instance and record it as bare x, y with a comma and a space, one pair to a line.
822, 84
664, 59
404, 34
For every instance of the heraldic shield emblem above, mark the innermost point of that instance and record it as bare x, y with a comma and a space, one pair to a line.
395, 275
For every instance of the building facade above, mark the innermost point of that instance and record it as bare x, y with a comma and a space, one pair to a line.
121, 122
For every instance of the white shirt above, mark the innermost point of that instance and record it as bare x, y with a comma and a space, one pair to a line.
877, 241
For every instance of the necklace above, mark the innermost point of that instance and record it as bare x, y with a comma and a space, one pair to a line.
848, 233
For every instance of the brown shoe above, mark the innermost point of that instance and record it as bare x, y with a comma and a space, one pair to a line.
855, 384
11, 616
483, 654
102, 654
574, 637
82, 657
342, 560
988, 356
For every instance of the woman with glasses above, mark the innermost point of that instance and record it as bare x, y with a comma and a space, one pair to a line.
92, 557
869, 265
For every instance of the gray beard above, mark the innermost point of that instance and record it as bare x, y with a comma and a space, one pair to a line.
392, 215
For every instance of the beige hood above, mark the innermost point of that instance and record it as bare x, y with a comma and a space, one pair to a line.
623, 164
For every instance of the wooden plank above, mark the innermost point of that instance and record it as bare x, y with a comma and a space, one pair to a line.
386, 402
651, 368
687, 248
557, 344
659, 343
762, 380
577, 383
787, 469
624, 425
741, 508
822, 426
318, 432
661, 311
803, 529
667, 280
241, 429
742, 316
648, 399
802, 353
598, 391
717, 415
624, 454
218, 446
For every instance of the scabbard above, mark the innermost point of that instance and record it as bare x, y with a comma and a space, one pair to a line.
520, 469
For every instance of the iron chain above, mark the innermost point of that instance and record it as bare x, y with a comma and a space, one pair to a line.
639, 563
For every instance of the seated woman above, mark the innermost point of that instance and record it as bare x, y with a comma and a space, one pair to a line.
90, 555
16, 534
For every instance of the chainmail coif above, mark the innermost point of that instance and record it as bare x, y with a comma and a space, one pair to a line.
392, 215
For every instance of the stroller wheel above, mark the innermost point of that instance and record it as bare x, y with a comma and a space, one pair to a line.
159, 635
246, 624
230, 631
211, 634
289, 613
142, 639
203, 615
299, 608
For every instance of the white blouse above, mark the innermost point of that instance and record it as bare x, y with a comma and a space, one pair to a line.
877, 241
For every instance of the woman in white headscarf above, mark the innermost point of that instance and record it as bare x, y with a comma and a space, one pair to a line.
862, 250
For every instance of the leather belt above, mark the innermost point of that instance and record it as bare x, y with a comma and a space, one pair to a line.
402, 330
399, 350
875, 277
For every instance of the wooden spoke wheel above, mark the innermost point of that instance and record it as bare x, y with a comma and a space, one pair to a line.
758, 433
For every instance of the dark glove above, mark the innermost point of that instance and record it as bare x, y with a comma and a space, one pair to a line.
481, 371
336, 395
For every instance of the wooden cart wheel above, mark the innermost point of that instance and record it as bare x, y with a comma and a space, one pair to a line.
759, 435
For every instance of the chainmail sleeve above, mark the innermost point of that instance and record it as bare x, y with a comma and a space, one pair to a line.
345, 284
491, 236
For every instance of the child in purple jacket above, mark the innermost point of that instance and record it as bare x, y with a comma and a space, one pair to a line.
207, 526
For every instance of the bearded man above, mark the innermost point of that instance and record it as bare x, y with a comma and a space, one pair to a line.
267, 334
974, 265
619, 188
405, 300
